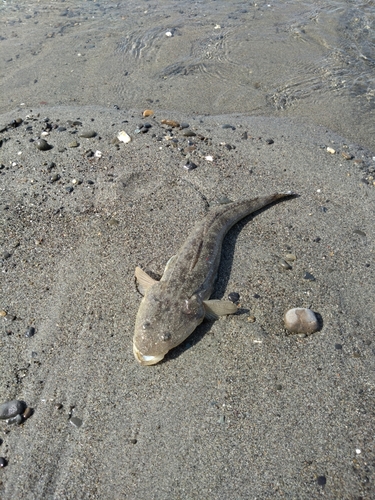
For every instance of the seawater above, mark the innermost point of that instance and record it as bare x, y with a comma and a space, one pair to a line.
313, 60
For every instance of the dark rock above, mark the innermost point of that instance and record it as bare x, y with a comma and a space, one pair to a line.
11, 409
30, 332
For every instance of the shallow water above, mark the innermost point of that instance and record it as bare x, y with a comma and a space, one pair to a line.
223, 57
305, 59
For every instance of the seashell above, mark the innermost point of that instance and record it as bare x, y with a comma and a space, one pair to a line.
123, 137
331, 150
301, 320
147, 112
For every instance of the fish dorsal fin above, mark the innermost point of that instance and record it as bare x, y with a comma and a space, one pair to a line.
169, 267
216, 308
144, 281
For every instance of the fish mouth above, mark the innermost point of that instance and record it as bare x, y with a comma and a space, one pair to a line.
146, 360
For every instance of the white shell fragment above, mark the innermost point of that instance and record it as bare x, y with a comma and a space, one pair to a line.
98, 154
331, 150
301, 320
123, 137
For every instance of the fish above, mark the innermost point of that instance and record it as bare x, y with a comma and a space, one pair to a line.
172, 308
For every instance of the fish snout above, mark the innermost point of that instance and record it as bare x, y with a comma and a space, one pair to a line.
146, 360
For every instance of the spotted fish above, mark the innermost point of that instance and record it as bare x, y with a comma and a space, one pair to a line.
173, 307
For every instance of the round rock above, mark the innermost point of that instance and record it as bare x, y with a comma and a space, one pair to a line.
88, 134
42, 145
11, 409
301, 320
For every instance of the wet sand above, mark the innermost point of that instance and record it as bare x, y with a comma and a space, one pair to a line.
241, 409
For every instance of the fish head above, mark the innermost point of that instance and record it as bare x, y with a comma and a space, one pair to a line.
164, 320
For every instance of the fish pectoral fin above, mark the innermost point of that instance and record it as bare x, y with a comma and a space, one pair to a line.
216, 308
144, 281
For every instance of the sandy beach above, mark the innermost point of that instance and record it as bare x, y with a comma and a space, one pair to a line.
241, 409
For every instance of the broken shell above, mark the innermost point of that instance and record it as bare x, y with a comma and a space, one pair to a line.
347, 156
123, 137
170, 123
147, 112
301, 320
331, 150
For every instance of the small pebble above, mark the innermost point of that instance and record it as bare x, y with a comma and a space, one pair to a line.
123, 137
269, 141
347, 156
290, 257
88, 134
42, 145
284, 265
27, 413
189, 133
147, 112
18, 419
3, 462
226, 125
190, 165
54, 177
77, 422
11, 409
30, 332
301, 320
321, 480
234, 297
74, 144
69, 189
308, 276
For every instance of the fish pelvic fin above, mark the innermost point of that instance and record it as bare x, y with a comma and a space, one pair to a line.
215, 308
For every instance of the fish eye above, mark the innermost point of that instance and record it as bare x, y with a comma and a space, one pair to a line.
145, 325
166, 336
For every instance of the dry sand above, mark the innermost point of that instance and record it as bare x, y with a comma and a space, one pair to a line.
241, 410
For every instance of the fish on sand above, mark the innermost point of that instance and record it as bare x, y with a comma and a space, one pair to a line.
173, 307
